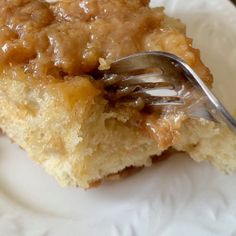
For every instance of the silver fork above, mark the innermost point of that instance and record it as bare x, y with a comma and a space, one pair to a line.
171, 83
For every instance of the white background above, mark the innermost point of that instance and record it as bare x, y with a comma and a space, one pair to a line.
174, 197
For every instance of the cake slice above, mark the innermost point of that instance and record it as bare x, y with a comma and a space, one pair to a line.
52, 107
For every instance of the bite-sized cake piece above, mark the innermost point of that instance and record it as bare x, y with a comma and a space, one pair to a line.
53, 108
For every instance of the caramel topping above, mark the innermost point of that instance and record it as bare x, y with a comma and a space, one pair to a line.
69, 37
165, 129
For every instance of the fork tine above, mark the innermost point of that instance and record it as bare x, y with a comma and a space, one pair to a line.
123, 91
138, 90
150, 102
146, 78
154, 104
157, 92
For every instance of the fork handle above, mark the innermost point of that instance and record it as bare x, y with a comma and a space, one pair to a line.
215, 107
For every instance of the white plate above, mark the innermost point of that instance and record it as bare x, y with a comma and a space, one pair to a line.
175, 197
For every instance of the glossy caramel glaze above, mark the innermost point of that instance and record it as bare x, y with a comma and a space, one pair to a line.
69, 37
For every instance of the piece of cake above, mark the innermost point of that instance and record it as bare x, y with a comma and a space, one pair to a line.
53, 108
